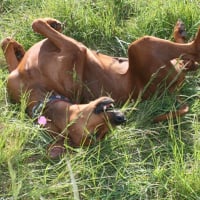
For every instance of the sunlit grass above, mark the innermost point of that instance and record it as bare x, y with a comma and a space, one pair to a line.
140, 160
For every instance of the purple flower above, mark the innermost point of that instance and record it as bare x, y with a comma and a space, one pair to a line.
42, 120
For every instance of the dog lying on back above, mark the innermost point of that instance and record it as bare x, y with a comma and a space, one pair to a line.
67, 67
79, 124
64, 66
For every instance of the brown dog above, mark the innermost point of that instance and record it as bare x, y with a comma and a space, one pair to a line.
80, 124
67, 67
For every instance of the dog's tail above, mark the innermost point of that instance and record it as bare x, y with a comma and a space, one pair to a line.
178, 113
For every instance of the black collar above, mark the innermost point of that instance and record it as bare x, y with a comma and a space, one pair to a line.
40, 105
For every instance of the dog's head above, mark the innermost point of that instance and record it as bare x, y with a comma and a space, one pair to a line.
90, 122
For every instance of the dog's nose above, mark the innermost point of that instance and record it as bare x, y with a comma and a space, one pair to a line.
119, 118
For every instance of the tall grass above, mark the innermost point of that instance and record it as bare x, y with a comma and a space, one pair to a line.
141, 160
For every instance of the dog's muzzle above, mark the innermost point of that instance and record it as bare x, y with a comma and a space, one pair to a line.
118, 118
106, 106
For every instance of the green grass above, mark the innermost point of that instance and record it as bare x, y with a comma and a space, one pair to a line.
140, 160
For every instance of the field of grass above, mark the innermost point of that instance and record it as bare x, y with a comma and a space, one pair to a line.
139, 160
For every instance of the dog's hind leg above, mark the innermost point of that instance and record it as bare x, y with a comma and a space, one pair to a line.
147, 54
180, 34
13, 52
174, 114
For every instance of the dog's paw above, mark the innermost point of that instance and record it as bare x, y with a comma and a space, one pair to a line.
181, 30
55, 24
38, 24
5, 42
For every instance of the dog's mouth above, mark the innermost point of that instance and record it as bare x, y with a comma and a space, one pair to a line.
107, 106
104, 106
